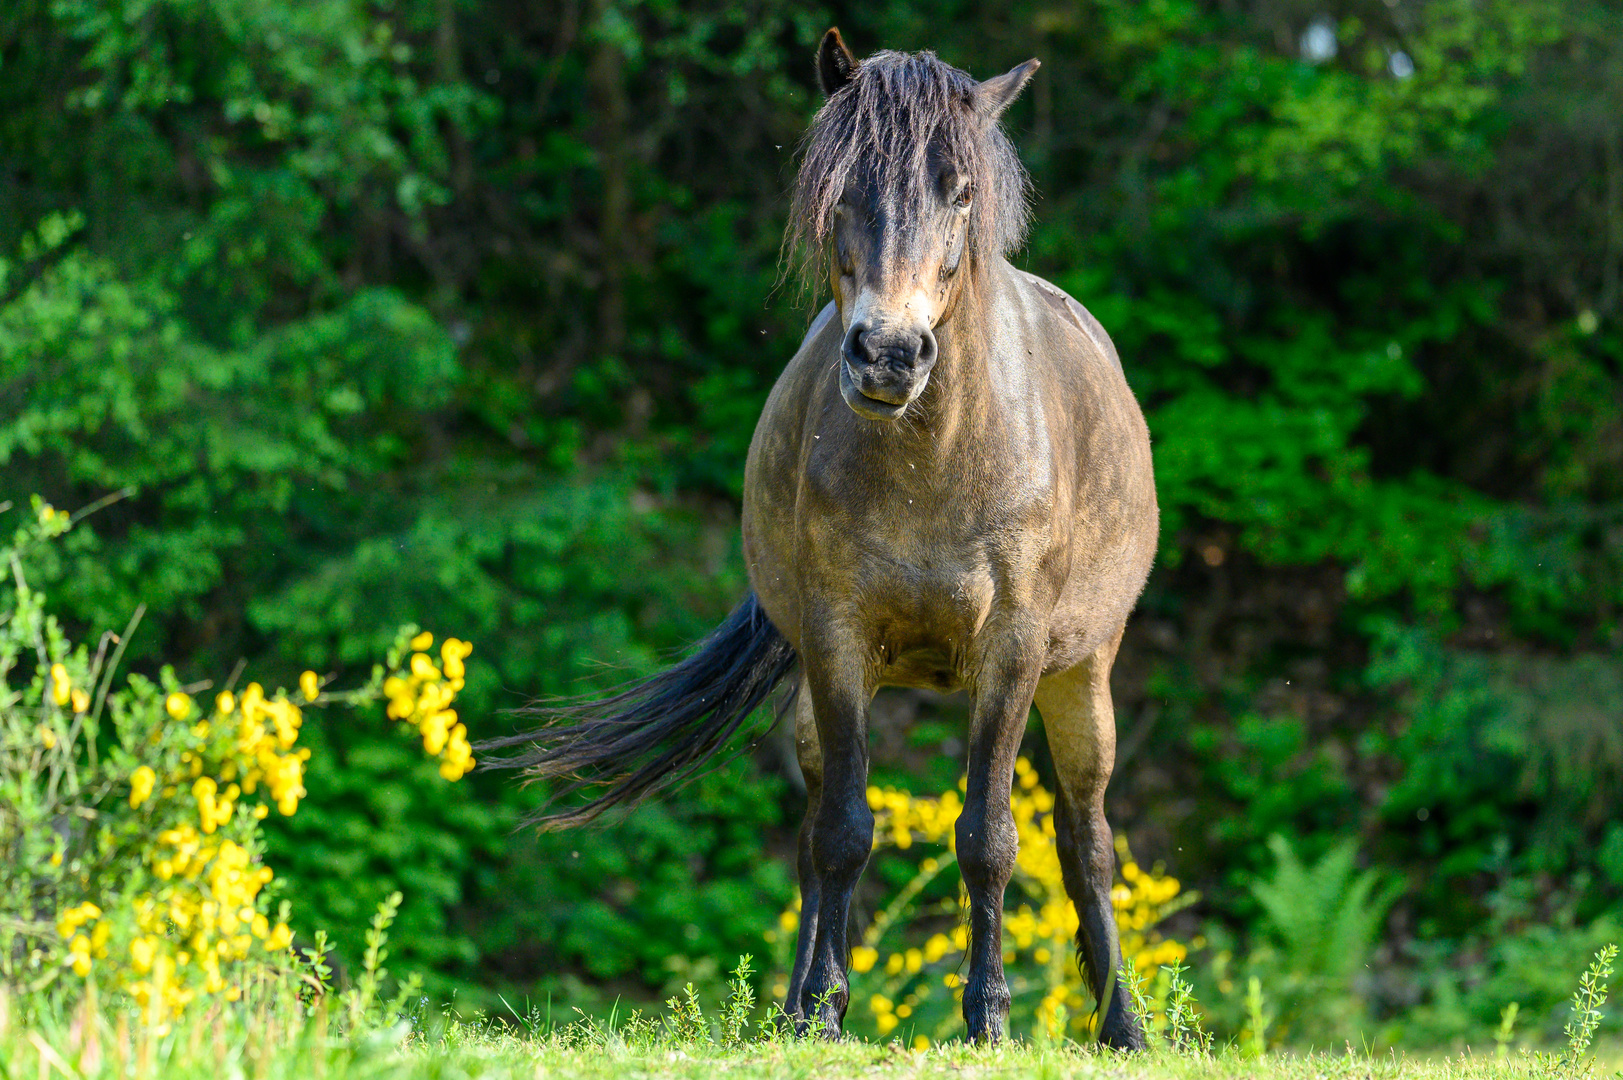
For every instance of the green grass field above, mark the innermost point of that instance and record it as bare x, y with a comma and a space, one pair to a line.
289, 1027
228, 1050
277, 1038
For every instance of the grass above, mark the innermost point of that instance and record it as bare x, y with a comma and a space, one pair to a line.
274, 1036
293, 1028
221, 1047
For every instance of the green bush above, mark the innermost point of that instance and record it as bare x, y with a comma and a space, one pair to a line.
468, 309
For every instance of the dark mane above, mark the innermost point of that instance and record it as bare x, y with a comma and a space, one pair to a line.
883, 128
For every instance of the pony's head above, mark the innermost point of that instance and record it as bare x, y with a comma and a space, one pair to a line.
907, 189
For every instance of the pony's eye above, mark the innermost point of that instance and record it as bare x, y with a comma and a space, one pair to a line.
965, 197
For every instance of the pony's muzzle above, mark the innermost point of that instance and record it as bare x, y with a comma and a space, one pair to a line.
884, 370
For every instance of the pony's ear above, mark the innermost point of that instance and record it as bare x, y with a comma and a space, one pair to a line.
995, 94
835, 64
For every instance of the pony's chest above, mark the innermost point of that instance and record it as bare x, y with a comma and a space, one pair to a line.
923, 577
921, 608
919, 553
921, 580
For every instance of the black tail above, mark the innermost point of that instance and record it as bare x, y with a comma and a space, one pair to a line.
654, 732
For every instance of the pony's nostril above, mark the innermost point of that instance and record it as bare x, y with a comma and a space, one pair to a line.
854, 349
927, 348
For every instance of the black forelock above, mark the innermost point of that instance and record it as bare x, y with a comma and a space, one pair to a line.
882, 128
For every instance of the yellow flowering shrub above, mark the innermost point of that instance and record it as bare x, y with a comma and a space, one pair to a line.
130, 844
907, 969
421, 696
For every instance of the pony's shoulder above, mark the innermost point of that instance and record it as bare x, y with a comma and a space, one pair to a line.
1070, 311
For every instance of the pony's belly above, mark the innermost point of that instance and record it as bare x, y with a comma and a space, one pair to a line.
922, 669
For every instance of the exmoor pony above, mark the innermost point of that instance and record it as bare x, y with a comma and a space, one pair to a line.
950, 487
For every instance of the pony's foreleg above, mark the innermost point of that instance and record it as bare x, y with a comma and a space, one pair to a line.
810, 753
842, 830
1081, 728
986, 836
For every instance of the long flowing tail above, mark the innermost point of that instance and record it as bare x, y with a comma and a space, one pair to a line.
653, 732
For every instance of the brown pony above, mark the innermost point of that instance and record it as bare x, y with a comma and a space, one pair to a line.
950, 487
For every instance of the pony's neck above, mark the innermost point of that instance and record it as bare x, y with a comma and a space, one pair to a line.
960, 399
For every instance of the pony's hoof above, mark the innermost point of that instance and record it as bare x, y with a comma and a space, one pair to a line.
1124, 1035
827, 1025
985, 1011
805, 1026
827, 1029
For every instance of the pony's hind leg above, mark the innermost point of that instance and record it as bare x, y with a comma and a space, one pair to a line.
842, 827
810, 753
1081, 727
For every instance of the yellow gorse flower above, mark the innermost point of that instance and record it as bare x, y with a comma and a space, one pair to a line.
63, 692
423, 695
141, 784
82, 948
453, 653
61, 685
265, 733
75, 917
202, 915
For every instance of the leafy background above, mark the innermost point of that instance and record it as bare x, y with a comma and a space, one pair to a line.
462, 313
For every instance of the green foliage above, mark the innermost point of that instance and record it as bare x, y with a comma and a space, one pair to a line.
1185, 1033
1593, 988
685, 1021
1319, 929
1324, 919
1254, 1035
115, 391
1507, 1030
1525, 955
434, 308
1514, 761
740, 1004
